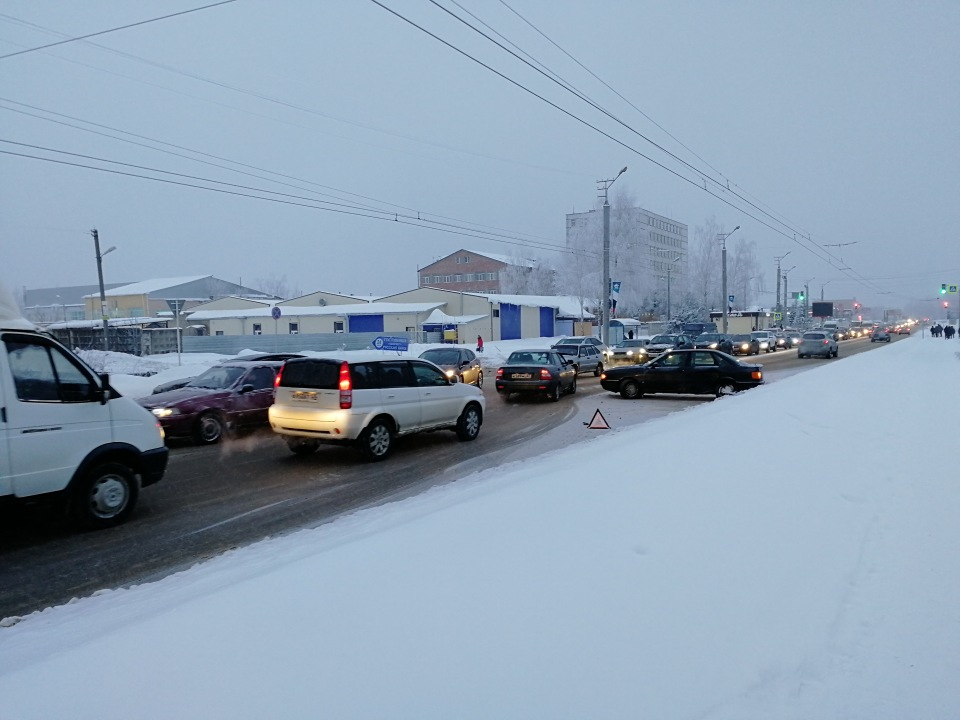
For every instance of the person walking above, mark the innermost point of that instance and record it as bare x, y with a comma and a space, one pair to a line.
948, 332
479, 344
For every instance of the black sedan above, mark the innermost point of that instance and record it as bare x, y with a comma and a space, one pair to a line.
694, 372
714, 341
879, 335
538, 372
745, 345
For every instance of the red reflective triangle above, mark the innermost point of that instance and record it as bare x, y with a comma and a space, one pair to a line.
599, 422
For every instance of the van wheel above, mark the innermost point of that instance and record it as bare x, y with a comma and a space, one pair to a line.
468, 424
300, 446
209, 429
376, 441
105, 496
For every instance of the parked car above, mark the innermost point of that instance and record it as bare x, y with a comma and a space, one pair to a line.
818, 342
587, 358
767, 340
230, 395
541, 372
631, 351
661, 343
368, 401
879, 335
694, 372
745, 345
714, 341
458, 363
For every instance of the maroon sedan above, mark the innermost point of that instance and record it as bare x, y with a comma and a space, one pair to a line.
231, 396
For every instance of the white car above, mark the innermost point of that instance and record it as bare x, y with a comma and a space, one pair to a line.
368, 401
767, 340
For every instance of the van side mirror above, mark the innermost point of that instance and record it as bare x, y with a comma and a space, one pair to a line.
103, 392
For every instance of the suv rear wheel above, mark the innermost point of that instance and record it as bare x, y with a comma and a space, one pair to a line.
376, 441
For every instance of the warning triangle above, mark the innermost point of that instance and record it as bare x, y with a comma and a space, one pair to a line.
599, 422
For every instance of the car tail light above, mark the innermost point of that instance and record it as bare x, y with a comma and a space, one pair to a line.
499, 373
276, 382
545, 374
346, 387
756, 375
826, 342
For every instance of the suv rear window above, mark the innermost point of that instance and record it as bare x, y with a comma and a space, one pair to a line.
814, 336
315, 374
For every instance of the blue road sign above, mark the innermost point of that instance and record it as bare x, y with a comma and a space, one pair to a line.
275, 313
398, 344
729, 298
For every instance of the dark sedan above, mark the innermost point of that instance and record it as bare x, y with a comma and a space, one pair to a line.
879, 335
539, 372
693, 372
714, 341
230, 395
745, 345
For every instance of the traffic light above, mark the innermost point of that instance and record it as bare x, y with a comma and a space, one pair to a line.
856, 306
946, 304
800, 296
943, 288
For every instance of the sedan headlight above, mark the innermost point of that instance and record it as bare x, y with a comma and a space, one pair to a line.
712, 346
449, 373
165, 412
745, 346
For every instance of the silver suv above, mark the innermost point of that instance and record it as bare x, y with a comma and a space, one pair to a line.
368, 401
818, 342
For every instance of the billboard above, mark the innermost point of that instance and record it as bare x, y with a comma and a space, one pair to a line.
822, 309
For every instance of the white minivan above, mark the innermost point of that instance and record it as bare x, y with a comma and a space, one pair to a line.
65, 434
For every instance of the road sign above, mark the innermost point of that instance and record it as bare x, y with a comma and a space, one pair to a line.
397, 344
616, 286
729, 298
275, 312
175, 305
952, 289
778, 316
598, 422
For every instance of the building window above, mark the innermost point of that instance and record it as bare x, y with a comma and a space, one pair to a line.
294, 328
257, 329
338, 326
496, 312
218, 332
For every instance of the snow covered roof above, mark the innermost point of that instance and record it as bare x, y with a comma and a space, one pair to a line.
519, 262
567, 306
441, 318
373, 308
112, 322
148, 286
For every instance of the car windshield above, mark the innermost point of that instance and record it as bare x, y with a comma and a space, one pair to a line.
709, 337
218, 378
442, 356
759, 334
630, 344
663, 339
741, 338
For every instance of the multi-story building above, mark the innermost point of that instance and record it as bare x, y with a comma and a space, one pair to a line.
647, 250
469, 271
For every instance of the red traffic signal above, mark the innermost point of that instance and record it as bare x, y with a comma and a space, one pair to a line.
946, 304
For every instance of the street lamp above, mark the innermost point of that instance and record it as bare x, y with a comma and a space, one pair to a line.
103, 296
669, 268
723, 239
822, 286
604, 186
785, 294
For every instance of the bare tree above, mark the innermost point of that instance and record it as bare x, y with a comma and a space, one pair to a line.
744, 271
279, 287
527, 276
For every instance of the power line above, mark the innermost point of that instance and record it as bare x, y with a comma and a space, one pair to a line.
121, 27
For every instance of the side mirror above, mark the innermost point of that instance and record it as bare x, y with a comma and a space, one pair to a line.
103, 393
247, 388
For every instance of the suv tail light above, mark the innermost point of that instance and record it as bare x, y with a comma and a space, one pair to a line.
346, 387
499, 373
276, 382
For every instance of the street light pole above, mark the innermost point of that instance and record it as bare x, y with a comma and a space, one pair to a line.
723, 239
785, 294
604, 186
779, 306
669, 268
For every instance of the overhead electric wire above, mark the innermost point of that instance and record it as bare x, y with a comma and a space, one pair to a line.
537, 242
111, 30
283, 198
816, 252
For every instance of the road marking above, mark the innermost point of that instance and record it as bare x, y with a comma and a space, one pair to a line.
241, 515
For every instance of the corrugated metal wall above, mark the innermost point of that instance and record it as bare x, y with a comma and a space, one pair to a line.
232, 344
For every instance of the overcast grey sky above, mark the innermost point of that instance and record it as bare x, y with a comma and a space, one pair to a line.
836, 121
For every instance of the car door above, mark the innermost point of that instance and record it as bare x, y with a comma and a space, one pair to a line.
439, 400
667, 375
704, 373
54, 417
250, 407
399, 394
470, 370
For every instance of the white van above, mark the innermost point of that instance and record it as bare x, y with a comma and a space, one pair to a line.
65, 434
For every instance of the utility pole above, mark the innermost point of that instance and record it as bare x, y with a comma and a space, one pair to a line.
786, 305
723, 253
669, 268
778, 259
603, 186
103, 296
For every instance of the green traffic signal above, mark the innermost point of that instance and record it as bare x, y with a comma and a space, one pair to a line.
943, 289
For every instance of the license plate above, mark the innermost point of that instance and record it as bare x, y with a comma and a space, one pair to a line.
521, 376
304, 395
